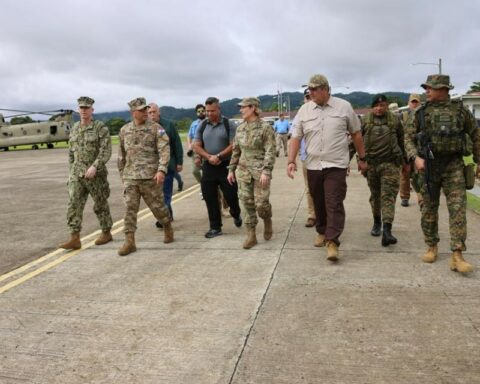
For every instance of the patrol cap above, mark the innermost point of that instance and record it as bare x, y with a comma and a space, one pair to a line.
317, 81
380, 98
437, 82
85, 101
251, 101
414, 96
393, 107
138, 104
306, 92
247, 101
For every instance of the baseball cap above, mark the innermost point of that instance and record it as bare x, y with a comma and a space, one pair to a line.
317, 81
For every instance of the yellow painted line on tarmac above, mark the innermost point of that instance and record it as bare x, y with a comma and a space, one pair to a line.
143, 214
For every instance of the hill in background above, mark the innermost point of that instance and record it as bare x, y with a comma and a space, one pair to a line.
268, 102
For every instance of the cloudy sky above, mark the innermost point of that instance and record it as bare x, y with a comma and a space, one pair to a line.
179, 52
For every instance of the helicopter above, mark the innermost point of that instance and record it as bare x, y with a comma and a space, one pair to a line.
54, 130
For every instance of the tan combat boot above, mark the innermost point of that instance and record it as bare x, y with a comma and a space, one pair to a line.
457, 263
431, 255
104, 238
251, 239
267, 228
319, 240
332, 251
73, 243
168, 233
129, 245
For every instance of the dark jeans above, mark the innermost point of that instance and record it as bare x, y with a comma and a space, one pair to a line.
168, 190
178, 177
214, 177
328, 188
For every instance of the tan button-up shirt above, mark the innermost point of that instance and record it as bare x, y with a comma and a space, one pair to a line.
325, 130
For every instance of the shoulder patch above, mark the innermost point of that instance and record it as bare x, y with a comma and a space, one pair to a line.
161, 131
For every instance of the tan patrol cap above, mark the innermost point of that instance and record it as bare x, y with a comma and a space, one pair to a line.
415, 96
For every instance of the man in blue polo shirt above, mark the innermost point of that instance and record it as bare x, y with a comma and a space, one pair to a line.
213, 143
200, 111
281, 127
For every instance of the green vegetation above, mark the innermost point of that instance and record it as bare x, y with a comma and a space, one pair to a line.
473, 202
475, 87
21, 120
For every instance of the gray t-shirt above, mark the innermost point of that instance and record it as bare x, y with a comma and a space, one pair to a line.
214, 137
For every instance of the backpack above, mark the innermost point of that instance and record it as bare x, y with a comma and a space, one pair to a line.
387, 150
225, 122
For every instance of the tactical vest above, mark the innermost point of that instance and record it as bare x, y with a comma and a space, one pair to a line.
381, 144
444, 125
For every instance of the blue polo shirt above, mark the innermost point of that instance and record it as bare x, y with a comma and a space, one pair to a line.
281, 126
193, 128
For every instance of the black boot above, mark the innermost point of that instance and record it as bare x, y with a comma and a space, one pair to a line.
377, 226
387, 237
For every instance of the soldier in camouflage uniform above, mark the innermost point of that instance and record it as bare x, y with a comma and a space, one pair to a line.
143, 157
89, 151
441, 131
383, 138
251, 166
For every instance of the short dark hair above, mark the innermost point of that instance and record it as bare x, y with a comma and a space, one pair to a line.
212, 100
198, 106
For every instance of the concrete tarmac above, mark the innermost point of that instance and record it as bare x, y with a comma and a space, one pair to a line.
206, 311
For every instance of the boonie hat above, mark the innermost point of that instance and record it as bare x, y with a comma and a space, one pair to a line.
393, 107
438, 82
317, 81
380, 98
414, 96
85, 101
138, 104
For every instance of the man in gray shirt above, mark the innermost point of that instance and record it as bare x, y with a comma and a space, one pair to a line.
213, 144
324, 123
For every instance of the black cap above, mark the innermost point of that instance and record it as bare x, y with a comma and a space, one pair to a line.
306, 92
380, 98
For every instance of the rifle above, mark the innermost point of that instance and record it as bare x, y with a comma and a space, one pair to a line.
425, 152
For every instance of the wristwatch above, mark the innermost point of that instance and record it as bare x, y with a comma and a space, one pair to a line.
362, 158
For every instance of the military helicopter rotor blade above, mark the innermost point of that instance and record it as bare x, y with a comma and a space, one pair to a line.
47, 113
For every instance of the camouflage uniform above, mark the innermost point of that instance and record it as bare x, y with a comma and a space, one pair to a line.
383, 138
144, 150
253, 154
88, 145
445, 124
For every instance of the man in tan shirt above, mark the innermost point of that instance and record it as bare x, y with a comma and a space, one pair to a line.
324, 123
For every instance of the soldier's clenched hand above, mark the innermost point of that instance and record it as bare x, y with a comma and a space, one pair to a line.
159, 177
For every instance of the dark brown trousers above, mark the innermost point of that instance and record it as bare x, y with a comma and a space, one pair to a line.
329, 188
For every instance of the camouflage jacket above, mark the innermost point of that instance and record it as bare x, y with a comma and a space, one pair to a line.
464, 121
144, 150
253, 150
89, 145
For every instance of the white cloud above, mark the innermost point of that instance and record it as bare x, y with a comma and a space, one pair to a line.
178, 53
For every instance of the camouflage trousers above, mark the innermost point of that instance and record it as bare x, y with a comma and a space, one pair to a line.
152, 194
78, 191
254, 199
450, 178
384, 182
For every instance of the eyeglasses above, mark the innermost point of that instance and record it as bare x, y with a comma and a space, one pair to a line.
199, 111
245, 106
414, 101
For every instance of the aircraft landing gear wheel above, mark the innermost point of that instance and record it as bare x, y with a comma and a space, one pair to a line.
34, 146
50, 145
